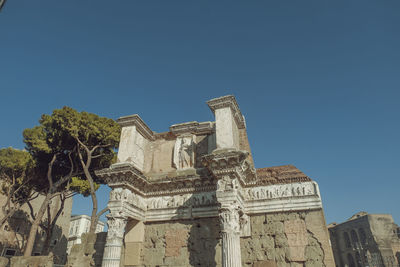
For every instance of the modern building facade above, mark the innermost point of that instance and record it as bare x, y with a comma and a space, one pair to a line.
80, 224
366, 240
191, 196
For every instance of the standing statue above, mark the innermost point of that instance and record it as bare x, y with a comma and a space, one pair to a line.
184, 152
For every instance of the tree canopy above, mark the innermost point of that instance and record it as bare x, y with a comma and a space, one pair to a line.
68, 146
63, 133
16, 168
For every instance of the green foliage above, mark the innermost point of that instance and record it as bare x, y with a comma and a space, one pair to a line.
15, 167
58, 134
81, 186
14, 162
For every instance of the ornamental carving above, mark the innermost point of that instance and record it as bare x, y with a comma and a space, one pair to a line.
281, 191
116, 227
126, 195
189, 200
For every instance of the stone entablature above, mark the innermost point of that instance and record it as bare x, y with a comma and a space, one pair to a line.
193, 127
198, 172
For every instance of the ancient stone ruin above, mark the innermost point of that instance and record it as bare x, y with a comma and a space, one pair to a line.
192, 197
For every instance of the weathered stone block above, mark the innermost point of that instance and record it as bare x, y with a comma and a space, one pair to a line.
154, 257
274, 228
133, 255
175, 240
265, 264
32, 261
296, 234
3, 261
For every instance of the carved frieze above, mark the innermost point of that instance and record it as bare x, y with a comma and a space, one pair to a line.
281, 191
187, 200
126, 195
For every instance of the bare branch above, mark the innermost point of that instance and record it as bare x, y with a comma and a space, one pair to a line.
31, 210
97, 156
98, 146
69, 175
49, 170
2, 2
102, 212
83, 145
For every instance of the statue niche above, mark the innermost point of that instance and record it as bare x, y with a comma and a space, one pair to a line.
184, 152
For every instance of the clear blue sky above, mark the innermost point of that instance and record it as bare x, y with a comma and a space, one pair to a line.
318, 81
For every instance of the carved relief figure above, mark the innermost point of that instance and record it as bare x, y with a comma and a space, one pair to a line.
184, 152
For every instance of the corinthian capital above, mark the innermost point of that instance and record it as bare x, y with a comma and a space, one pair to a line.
229, 217
116, 227
223, 162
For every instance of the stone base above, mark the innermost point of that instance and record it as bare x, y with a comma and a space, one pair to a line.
32, 261
3, 261
82, 254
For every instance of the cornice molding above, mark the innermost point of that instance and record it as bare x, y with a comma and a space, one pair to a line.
128, 176
193, 127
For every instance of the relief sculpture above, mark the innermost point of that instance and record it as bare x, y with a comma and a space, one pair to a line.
184, 152
280, 191
189, 200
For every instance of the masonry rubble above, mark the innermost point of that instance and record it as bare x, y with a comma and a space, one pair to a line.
192, 197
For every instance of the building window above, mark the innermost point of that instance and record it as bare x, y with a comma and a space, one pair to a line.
358, 259
346, 240
363, 236
6, 228
350, 260
36, 253
9, 252
354, 238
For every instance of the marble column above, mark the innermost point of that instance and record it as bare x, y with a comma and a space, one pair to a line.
227, 165
114, 243
230, 230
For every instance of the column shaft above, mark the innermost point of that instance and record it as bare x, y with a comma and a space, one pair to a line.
231, 255
114, 243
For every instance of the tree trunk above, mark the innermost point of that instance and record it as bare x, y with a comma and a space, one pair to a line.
46, 247
93, 217
35, 225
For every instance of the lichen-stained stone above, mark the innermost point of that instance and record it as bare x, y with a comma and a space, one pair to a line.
281, 241
267, 242
274, 228
154, 256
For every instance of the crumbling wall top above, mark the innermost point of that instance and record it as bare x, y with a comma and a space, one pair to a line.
141, 126
228, 101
